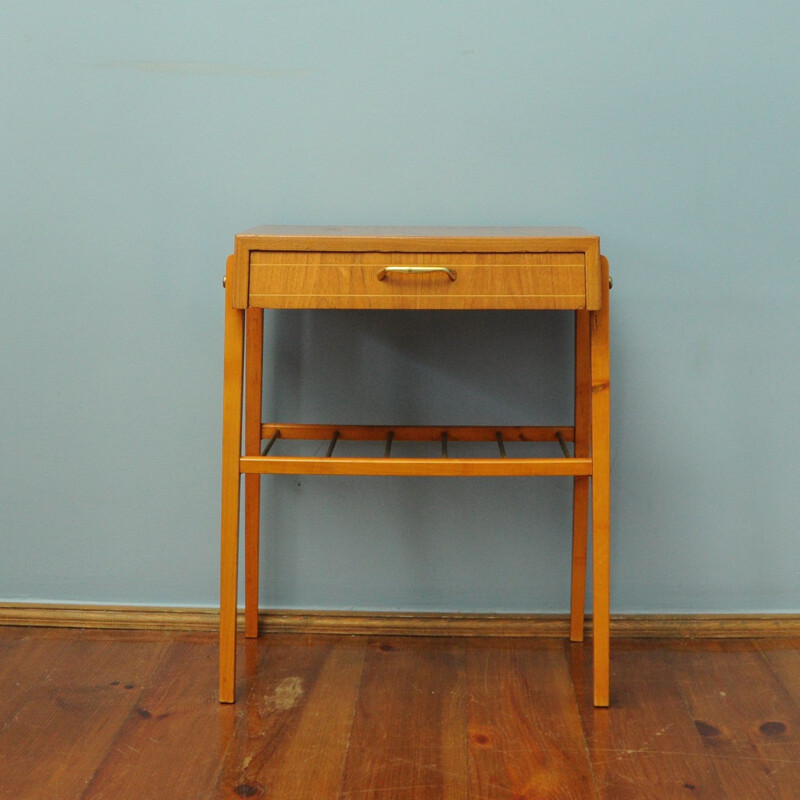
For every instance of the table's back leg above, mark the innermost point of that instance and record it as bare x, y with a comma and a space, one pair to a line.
580, 496
252, 483
601, 491
231, 451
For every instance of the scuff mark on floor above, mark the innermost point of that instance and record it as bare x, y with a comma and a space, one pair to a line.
286, 695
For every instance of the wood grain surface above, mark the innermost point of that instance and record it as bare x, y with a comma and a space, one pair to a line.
90, 714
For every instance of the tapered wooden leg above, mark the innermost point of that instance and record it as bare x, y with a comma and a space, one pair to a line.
580, 491
601, 491
252, 483
231, 451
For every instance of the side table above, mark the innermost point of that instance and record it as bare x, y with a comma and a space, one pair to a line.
460, 269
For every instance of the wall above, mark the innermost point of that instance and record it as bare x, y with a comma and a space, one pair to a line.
139, 137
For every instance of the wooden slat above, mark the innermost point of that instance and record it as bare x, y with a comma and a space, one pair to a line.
452, 467
420, 433
525, 736
409, 728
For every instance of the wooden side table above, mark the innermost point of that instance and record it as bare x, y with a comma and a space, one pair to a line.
416, 268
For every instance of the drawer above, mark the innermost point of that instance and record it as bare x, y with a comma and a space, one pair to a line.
297, 279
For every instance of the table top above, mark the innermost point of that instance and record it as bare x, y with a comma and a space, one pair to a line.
427, 231
303, 237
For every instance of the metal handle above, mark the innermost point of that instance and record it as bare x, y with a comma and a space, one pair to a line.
451, 273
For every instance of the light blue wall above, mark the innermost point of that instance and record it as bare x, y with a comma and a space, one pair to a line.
139, 137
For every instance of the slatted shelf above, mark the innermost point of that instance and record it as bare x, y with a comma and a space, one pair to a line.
439, 463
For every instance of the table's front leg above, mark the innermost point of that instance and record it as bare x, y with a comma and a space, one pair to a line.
231, 452
601, 491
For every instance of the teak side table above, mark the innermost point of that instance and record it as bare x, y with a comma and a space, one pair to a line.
416, 268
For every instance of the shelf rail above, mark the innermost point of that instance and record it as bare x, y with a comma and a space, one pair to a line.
444, 465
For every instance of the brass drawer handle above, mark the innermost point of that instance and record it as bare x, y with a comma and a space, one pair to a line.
451, 273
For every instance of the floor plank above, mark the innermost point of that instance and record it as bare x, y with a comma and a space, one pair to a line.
783, 656
646, 745
409, 731
745, 717
525, 737
70, 694
174, 739
99, 714
293, 738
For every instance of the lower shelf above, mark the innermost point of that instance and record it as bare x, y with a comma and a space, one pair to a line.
444, 465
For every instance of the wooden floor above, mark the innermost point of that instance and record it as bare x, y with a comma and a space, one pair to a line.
102, 714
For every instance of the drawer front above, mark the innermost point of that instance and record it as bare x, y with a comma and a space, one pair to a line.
281, 279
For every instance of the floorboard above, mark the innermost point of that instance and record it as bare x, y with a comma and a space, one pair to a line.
65, 699
295, 728
176, 735
409, 728
525, 737
86, 715
783, 656
746, 718
646, 746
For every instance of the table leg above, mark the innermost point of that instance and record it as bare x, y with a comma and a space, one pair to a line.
231, 451
580, 491
252, 447
601, 491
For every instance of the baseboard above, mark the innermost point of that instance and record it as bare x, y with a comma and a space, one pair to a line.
672, 626
67, 615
